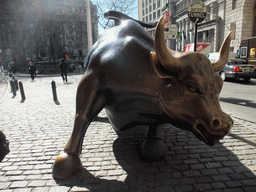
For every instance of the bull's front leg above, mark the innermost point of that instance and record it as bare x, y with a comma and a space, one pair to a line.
89, 103
153, 148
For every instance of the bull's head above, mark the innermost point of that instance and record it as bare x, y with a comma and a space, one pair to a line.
192, 88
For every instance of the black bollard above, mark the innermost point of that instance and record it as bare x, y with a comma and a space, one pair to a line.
13, 88
16, 84
22, 93
54, 93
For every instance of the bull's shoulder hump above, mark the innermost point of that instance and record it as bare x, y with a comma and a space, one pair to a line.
125, 29
125, 39
132, 28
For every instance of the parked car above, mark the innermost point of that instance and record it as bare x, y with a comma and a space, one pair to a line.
215, 55
238, 68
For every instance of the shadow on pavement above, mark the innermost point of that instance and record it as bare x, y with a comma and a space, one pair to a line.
67, 83
236, 101
241, 81
252, 143
56, 102
189, 165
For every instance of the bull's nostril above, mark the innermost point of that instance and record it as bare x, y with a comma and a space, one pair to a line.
216, 123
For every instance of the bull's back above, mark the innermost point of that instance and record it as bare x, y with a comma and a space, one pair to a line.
121, 58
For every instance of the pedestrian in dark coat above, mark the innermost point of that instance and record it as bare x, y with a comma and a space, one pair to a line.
32, 70
64, 69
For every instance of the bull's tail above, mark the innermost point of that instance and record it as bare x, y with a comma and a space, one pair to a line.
118, 16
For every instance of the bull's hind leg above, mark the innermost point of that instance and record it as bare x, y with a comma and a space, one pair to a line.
89, 102
153, 148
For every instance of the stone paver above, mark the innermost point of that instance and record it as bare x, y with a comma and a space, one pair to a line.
38, 130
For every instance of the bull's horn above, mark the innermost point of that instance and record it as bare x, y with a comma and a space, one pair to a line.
220, 63
163, 54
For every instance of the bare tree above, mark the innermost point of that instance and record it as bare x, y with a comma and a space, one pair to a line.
44, 31
128, 7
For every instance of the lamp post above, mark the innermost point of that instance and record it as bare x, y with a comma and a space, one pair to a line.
196, 13
195, 39
1, 61
89, 24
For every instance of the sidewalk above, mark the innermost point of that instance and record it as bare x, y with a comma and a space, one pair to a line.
3, 87
38, 130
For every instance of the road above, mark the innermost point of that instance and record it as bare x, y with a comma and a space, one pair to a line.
240, 98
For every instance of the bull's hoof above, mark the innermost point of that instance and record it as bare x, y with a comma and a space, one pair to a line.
153, 150
66, 165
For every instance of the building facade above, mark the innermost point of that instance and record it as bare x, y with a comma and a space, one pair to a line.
223, 16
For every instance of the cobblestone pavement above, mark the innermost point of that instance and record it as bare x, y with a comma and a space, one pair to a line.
38, 130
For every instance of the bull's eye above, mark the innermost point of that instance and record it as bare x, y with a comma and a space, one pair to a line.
193, 88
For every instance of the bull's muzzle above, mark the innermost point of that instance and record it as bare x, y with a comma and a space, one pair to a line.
212, 132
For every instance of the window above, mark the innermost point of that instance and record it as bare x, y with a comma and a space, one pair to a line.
234, 4
158, 13
254, 28
243, 52
233, 29
158, 4
236, 61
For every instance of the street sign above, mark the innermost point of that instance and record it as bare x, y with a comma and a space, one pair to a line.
170, 31
197, 11
179, 35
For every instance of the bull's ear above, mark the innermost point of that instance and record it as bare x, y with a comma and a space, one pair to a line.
159, 68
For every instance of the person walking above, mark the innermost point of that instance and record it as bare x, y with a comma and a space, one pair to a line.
64, 69
32, 70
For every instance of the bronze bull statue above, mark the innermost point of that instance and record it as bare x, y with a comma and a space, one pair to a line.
4, 146
139, 81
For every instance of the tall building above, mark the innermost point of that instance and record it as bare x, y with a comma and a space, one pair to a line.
222, 16
240, 17
45, 30
151, 10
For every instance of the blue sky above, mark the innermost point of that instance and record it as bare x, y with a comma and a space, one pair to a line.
135, 15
